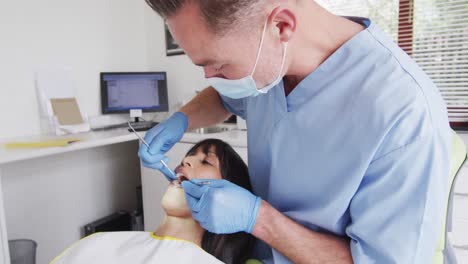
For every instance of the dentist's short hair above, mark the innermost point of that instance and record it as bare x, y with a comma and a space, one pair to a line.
220, 15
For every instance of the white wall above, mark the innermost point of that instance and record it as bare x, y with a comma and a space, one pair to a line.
184, 78
86, 36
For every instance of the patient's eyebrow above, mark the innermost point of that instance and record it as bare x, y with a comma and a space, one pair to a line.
190, 154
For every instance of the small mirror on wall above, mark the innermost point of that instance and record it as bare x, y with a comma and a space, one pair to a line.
172, 48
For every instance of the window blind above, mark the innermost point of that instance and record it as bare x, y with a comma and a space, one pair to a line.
440, 47
382, 12
433, 32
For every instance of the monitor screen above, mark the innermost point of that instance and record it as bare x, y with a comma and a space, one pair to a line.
123, 91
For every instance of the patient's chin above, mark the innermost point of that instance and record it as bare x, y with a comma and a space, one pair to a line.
174, 203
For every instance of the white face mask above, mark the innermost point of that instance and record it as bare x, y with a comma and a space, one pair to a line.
246, 86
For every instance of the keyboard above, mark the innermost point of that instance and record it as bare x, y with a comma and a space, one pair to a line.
142, 126
139, 126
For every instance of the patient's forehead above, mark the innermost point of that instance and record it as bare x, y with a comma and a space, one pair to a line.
204, 150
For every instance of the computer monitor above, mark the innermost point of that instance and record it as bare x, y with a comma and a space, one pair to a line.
124, 91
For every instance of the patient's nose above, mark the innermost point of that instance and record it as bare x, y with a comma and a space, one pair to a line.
186, 162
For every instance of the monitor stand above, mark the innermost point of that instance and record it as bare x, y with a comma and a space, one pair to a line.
137, 114
138, 125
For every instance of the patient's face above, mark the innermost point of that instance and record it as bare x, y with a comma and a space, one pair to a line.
197, 165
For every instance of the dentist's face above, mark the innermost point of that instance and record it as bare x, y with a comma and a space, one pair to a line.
196, 165
230, 56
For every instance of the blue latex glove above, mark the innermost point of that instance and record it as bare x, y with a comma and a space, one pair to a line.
222, 207
161, 138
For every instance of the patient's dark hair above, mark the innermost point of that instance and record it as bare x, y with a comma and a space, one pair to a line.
229, 248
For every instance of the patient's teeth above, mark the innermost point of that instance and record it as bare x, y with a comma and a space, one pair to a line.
177, 184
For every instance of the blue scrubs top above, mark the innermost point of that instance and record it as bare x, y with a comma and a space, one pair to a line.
360, 148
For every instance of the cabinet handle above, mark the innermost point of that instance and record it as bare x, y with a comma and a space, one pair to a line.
462, 247
461, 194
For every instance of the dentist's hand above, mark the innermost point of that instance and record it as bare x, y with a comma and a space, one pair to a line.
222, 207
161, 138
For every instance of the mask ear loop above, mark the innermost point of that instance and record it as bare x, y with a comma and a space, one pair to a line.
285, 49
260, 48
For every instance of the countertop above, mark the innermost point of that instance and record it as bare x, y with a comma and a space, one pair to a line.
236, 138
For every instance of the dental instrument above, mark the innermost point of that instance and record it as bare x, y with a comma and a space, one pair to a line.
144, 142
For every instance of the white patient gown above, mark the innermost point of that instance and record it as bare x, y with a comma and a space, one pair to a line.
134, 248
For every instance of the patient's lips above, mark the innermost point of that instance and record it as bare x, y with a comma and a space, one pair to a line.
180, 178
181, 174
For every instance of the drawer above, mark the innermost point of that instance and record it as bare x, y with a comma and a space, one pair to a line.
460, 207
459, 235
461, 184
462, 256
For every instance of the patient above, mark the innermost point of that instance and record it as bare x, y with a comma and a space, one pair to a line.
179, 238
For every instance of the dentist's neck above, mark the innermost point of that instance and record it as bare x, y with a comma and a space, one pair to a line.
318, 36
182, 228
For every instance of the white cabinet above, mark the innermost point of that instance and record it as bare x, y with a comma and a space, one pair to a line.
4, 252
460, 215
154, 184
462, 256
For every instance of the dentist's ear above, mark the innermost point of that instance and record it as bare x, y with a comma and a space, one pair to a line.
285, 21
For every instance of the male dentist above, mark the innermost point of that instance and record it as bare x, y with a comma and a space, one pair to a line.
348, 139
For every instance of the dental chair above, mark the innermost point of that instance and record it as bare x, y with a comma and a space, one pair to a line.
444, 252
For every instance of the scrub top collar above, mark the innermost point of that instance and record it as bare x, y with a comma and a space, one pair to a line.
307, 88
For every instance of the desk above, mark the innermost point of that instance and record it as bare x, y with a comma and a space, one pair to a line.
89, 140
102, 138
